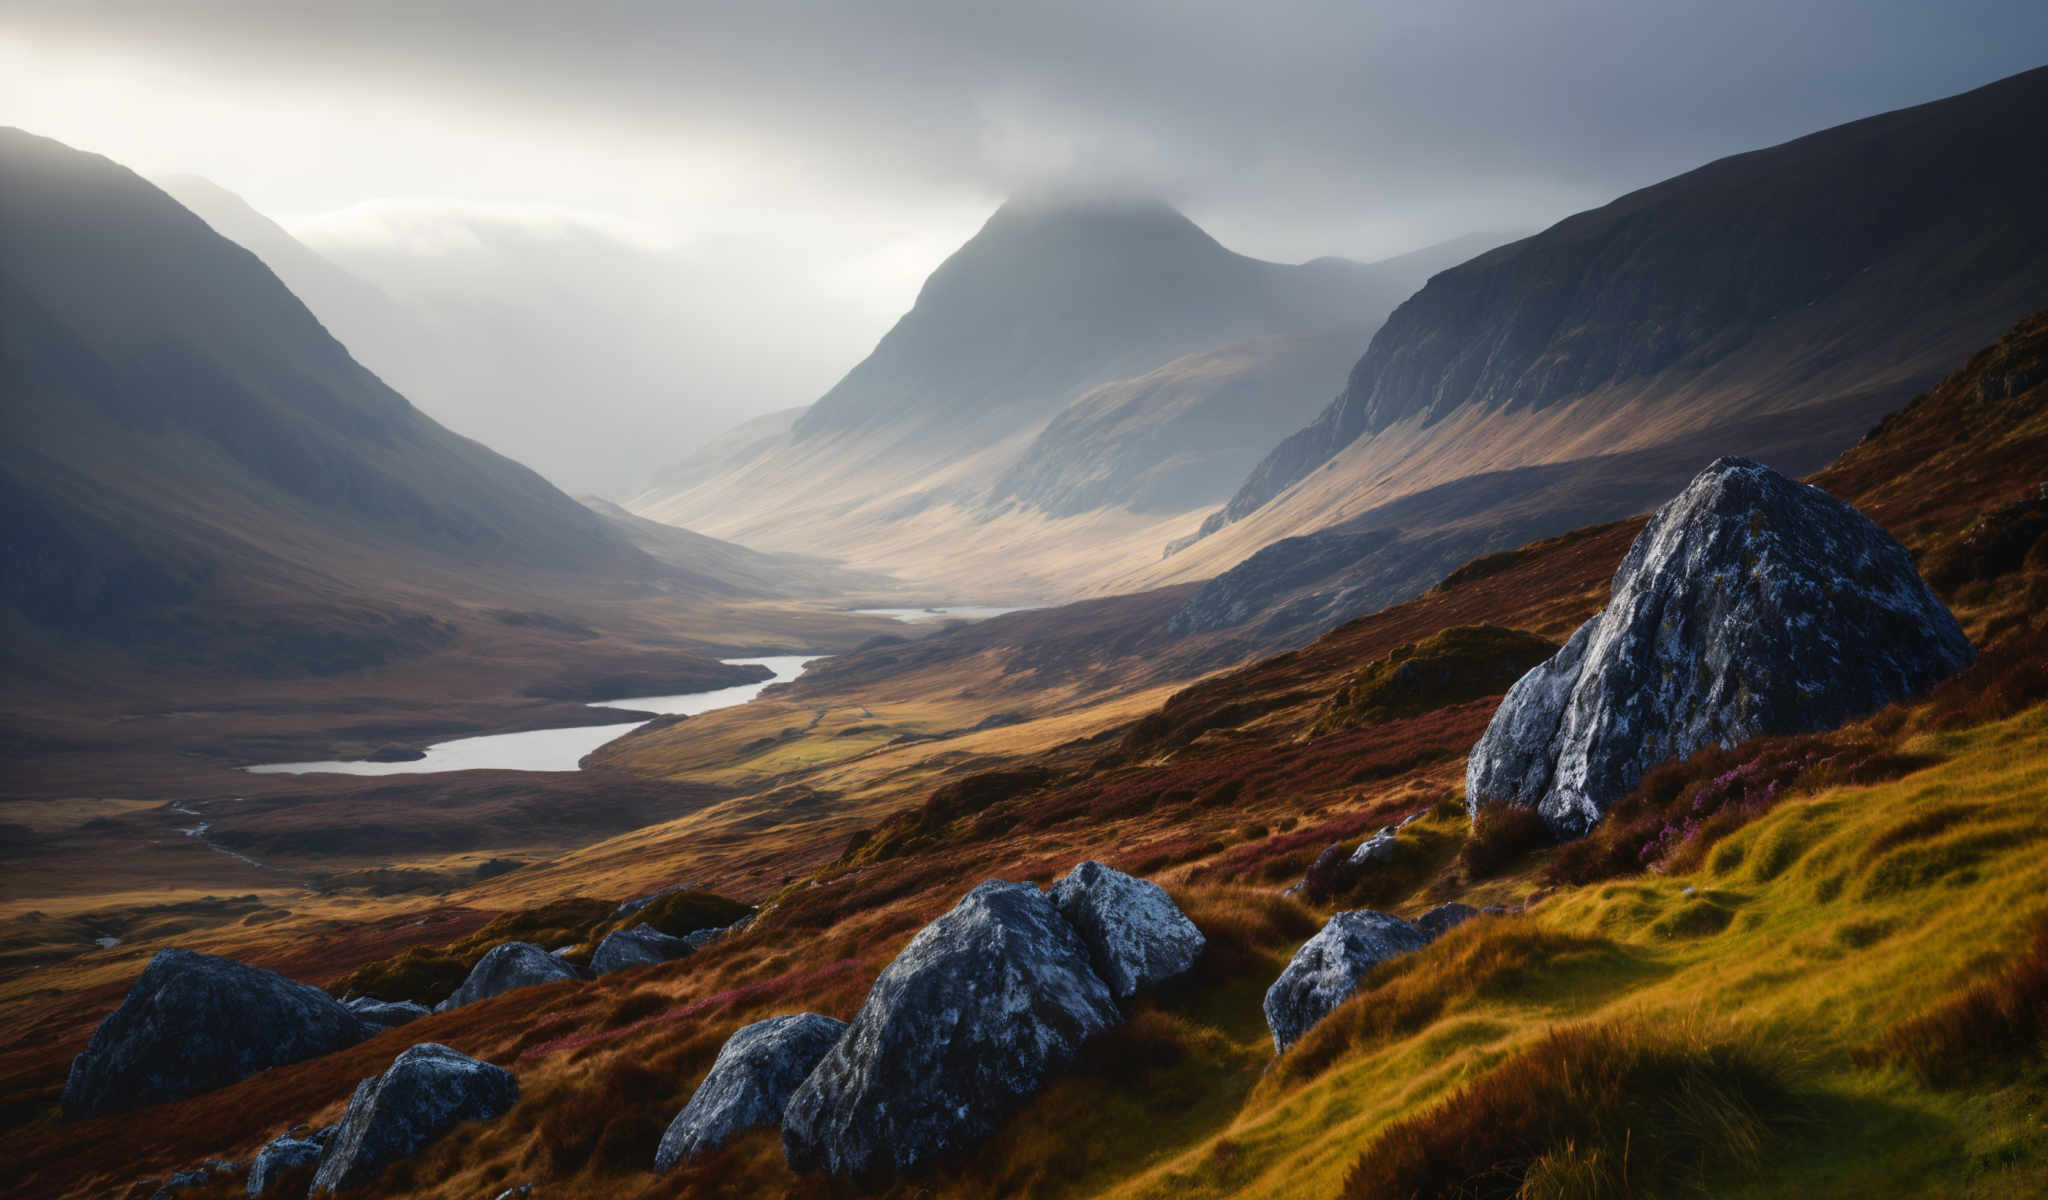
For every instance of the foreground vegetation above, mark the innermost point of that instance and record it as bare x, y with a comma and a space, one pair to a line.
1809, 965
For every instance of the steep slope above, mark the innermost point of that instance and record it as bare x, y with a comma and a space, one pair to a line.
1166, 440
1771, 304
906, 462
379, 332
195, 471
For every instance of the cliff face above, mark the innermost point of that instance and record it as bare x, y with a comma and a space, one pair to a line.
1855, 257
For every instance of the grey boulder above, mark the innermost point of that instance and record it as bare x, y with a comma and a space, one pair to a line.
749, 1084
426, 1091
1443, 918
1136, 935
982, 1007
388, 1013
1751, 605
195, 1022
1328, 967
281, 1156
512, 965
641, 946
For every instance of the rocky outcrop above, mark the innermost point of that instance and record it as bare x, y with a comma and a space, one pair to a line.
640, 946
386, 1013
1751, 605
976, 1013
426, 1091
1328, 966
512, 965
749, 1084
1443, 918
194, 1022
279, 1158
1136, 935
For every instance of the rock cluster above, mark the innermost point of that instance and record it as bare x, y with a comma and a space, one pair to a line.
1751, 605
426, 1091
973, 1017
512, 965
1136, 935
194, 1022
749, 1084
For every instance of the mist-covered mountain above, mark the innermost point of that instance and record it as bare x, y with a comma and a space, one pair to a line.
1078, 362
1770, 304
195, 470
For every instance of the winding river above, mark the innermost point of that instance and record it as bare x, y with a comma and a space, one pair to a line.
553, 749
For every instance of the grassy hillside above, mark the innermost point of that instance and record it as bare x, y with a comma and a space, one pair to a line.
1798, 966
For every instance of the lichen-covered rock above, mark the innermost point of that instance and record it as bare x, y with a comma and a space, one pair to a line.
425, 1092
1443, 918
1328, 966
1751, 605
1136, 935
749, 1084
388, 1013
641, 946
276, 1159
195, 1022
976, 1014
512, 965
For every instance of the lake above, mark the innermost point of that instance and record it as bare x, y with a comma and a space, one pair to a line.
553, 749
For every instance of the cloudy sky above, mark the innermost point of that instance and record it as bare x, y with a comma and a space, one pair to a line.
812, 161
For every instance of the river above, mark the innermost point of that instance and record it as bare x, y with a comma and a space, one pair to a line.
553, 749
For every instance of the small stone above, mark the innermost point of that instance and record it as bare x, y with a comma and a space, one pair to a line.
512, 965
641, 946
274, 1160
1443, 918
1328, 967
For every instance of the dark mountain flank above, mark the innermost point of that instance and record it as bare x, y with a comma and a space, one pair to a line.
193, 469
1859, 259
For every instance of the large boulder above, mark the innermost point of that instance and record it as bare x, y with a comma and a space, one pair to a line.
982, 1007
641, 946
194, 1022
1443, 918
276, 1160
1136, 935
426, 1091
749, 1084
512, 965
1328, 967
1751, 605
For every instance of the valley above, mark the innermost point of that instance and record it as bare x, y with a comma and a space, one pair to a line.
1561, 714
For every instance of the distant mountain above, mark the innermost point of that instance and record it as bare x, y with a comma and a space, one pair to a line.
196, 472
1772, 304
1090, 359
1859, 259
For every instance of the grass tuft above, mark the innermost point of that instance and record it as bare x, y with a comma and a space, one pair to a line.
1588, 1111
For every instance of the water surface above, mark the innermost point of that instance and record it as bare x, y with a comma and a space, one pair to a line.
552, 749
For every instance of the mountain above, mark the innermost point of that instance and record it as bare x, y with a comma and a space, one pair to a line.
1770, 304
379, 332
195, 472
1081, 376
